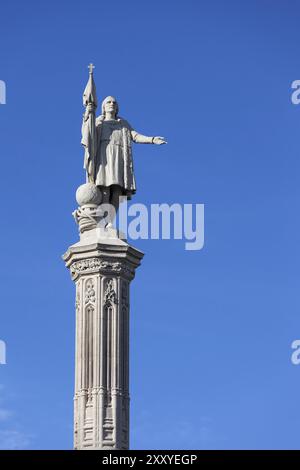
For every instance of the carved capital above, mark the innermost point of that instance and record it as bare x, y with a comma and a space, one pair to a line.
96, 265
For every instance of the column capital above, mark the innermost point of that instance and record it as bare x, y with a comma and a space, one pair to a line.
103, 258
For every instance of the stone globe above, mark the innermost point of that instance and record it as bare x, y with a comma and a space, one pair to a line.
88, 193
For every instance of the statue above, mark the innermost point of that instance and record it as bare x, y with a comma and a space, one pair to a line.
107, 141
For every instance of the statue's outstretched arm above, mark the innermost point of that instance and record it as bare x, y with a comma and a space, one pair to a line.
144, 139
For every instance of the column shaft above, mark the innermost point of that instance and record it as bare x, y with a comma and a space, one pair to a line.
102, 274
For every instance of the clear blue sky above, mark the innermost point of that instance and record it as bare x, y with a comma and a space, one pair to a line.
210, 330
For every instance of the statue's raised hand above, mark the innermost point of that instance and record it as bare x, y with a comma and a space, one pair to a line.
90, 109
159, 140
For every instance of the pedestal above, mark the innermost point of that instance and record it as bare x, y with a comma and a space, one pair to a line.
102, 267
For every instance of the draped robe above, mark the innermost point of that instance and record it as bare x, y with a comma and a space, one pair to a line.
113, 161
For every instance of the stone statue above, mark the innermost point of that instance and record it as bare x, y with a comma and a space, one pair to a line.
102, 265
107, 141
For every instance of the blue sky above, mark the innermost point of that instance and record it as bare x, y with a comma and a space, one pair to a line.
211, 330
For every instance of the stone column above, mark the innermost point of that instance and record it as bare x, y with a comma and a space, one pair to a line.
102, 267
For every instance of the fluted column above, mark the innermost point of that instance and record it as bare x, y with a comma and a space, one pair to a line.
102, 271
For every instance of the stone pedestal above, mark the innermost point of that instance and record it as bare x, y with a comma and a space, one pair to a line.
102, 267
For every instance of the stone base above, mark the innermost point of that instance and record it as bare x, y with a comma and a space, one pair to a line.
102, 235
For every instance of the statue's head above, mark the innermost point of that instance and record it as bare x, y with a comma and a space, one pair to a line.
109, 104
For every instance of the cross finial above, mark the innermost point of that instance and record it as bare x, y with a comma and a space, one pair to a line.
91, 67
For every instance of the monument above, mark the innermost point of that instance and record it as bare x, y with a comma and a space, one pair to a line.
102, 265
